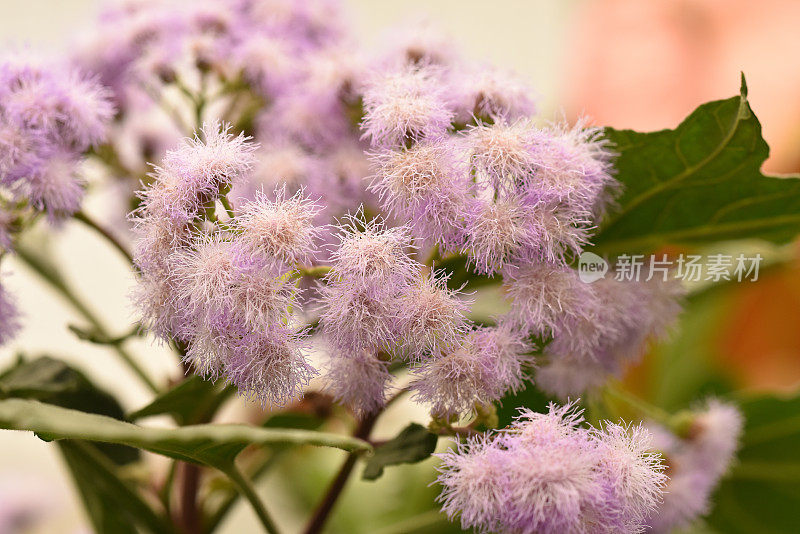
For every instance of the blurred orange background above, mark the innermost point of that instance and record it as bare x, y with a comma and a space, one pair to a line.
645, 65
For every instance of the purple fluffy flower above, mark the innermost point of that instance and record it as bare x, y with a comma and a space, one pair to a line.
194, 175
574, 169
543, 295
546, 474
610, 332
357, 317
427, 184
505, 156
696, 462
370, 269
283, 229
631, 475
358, 379
568, 166
371, 254
49, 116
497, 232
508, 231
486, 92
210, 161
403, 107
489, 362
269, 367
55, 186
220, 289
431, 317
235, 318
476, 484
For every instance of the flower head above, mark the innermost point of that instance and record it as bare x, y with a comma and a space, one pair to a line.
282, 229
55, 186
543, 294
358, 379
211, 160
489, 362
487, 92
547, 474
697, 461
574, 168
408, 180
269, 367
496, 232
359, 317
632, 474
431, 316
504, 155
49, 116
405, 106
476, 484
371, 254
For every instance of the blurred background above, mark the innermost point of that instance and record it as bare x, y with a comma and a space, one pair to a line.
623, 63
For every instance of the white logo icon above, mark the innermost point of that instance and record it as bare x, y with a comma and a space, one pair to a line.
591, 267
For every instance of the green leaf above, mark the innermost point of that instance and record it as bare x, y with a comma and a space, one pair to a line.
302, 420
762, 492
54, 382
112, 504
191, 401
412, 445
215, 445
699, 183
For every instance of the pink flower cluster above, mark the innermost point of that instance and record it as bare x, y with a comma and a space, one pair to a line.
379, 305
49, 116
310, 214
224, 290
546, 474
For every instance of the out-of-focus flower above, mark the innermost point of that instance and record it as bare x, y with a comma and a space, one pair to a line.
358, 379
49, 117
696, 462
610, 333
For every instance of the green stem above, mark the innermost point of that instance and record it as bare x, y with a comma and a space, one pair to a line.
51, 276
222, 511
247, 490
314, 272
334, 491
165, 491
91, 223
223, 199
